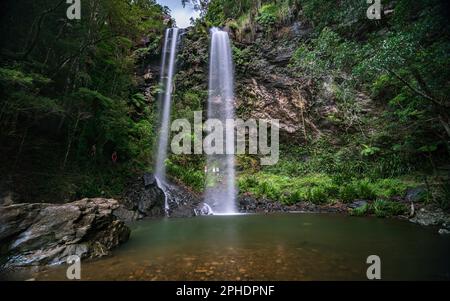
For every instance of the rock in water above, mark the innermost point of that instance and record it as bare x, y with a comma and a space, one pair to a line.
182, 202
149, 180
430, 217
357, 204
45, 234
145, 198
444, 232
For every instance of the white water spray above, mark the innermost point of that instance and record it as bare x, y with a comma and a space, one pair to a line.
165, 102
220, 172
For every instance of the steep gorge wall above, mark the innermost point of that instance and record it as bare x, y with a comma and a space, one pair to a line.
266, 87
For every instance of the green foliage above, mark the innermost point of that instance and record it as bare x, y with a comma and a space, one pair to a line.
369, 151
190, 95
341, 162
193, 99
267, 15
403, 66
361, 211
437, 192
151, 50
320, 57
380, 86
242, 58
219, 11
239, 14
322, 13
194, 178
69, 100
318, 189
370, 190
442, 199
10, 78
313, 188
381, 209
388, 188
216, 15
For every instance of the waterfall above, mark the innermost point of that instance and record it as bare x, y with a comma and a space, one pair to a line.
165, 102
220, 192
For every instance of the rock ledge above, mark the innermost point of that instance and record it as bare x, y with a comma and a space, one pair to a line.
46, 234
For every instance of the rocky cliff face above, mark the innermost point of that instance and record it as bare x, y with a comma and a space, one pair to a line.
144, 199
269, 87
182, 201
43, 234
266, 87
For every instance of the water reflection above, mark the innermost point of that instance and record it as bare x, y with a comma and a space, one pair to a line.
275, 247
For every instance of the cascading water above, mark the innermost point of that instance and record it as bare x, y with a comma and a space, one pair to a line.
165, 102
220, 192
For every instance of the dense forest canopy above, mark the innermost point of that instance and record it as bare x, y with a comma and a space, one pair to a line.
69, 96
374, 95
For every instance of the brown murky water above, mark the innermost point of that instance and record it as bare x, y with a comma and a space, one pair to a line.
273, 247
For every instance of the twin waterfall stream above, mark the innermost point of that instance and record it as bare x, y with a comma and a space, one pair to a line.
169, 56
220, 190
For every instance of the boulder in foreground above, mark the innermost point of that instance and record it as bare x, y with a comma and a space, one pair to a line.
46, 234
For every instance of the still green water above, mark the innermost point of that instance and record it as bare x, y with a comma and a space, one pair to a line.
271, 247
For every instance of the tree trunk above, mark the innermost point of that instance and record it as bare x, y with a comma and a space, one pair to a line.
36, 30
71, 138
